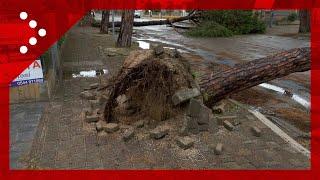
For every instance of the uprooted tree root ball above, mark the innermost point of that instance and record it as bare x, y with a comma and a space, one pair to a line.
148, 79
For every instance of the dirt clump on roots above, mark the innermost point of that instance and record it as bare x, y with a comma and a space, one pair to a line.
145, 86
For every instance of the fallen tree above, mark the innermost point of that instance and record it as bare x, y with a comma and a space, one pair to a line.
151, 77
192, 16
243, 76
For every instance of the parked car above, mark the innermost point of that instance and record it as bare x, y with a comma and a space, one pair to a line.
137, 14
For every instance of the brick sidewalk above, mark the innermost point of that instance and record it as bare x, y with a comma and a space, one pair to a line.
65, 141
24, 119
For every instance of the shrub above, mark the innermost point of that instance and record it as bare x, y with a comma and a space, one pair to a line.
231, 22
292, 17
209, 29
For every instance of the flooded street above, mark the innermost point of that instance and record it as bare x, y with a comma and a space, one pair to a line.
283, 98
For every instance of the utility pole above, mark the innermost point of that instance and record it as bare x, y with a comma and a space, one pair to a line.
113, 34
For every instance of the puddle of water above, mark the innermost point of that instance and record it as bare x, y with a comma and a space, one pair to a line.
179, 50
144, 45
90, 73
280, 90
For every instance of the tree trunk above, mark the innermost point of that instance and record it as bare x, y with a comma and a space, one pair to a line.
126, 28
304, 16
222, 84
105, 22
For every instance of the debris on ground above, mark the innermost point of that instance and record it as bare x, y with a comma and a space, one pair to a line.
256, 131
185, 142
184, 94
100, 125
218, 149
228, 125
92, 118
111, 127
128, 134
221, 119
159, 132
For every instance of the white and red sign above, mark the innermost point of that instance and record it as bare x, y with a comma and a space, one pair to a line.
33, 74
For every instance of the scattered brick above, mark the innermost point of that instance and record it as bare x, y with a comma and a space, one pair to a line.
92, 118
159, 132
111, 127
221, 119
128, 134
185, 142
228, 125
256, 131
184, 95
218, 149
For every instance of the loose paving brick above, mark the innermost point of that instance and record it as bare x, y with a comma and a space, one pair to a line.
228, 125
221, 119
100, 125
128, 134
111, 127
189, 125
199, 113
256, 131
159, 132
185, 142
92, 118
184, 95
218, 149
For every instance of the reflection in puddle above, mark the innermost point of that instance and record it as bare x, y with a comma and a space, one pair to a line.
90, 73
295, 97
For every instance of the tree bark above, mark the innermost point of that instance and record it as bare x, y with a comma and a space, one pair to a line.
304, 16
126, 28
105, 22
243, 76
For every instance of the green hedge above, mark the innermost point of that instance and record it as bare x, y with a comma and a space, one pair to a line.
209, 29
234, 21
